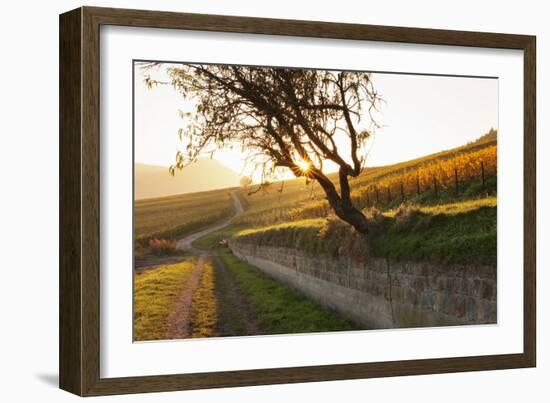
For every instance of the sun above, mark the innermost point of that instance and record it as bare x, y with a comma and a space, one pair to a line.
303, 165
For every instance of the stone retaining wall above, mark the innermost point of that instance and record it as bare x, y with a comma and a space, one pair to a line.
381, 293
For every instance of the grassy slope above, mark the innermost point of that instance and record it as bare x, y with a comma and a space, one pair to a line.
278, 308
155, 292
461, 232
465, 237
175, 216
447, 228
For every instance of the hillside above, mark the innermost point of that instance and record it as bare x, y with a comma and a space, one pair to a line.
299, 200
410, 219
302, 209
491, 135
154, 181
174, 216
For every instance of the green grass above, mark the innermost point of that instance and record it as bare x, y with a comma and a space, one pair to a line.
460, 232
461, 237
155, 292
175, 216
278, 308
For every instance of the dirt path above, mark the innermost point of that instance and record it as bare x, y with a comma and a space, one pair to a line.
179, 320
152, 262
186, 243
234, 316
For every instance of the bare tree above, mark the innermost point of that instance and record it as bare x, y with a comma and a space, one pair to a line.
294, 119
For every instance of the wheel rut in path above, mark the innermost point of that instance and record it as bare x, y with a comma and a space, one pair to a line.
235, 317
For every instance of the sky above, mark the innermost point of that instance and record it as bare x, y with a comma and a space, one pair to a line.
420, 115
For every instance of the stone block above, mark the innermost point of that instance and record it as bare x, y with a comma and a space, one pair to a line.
459, 306
472, 310
488, 290
427, 301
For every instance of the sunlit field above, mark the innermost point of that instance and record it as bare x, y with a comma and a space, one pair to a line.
385, 187
438, 226
175, 216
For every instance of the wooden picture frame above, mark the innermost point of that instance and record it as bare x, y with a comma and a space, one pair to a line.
79, 346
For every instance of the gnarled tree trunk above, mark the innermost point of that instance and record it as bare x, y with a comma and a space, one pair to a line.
341, 203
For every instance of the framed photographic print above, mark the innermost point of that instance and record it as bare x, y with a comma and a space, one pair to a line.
248, 201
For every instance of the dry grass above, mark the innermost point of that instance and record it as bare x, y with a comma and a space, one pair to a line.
446, 208
155, 292
162, 247
205, 305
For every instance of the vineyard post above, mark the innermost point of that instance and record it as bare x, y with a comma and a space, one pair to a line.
402, 192
456, 180
417, 185
389, 195
482, 175
435, 184
368, 199
377, 195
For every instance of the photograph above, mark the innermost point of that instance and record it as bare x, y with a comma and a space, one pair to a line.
272, 200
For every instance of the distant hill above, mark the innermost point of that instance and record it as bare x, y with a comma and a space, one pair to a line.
205, 174
491, 135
